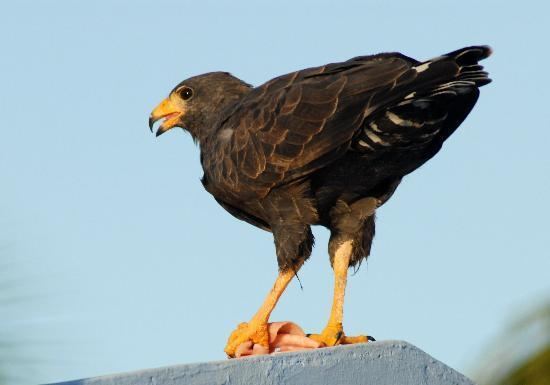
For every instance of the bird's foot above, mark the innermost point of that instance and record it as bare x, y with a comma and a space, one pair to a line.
348, 340
330, 336
333, 335
253, 332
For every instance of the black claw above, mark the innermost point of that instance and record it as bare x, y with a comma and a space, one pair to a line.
370, 338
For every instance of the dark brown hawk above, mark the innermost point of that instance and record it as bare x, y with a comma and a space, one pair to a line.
321, 146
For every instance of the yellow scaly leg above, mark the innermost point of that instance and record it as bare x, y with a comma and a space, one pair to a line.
333, 333
256, 329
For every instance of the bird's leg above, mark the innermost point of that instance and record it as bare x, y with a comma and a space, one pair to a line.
333, 333
256, 329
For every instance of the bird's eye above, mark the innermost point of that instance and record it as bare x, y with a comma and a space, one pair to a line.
186, 93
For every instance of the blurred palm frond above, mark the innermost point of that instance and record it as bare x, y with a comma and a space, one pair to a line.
521, 355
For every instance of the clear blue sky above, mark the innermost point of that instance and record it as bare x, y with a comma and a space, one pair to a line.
124, 262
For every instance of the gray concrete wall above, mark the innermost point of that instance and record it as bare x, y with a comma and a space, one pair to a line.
375, 363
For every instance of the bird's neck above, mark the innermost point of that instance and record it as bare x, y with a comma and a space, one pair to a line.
211, 121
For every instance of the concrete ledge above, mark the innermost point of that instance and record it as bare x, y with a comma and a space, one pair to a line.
376, 363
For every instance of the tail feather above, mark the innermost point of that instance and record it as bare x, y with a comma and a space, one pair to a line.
472, 54
436, 102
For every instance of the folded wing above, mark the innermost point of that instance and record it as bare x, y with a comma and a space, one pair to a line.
298, 123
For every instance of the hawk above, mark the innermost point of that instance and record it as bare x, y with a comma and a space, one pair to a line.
321, 146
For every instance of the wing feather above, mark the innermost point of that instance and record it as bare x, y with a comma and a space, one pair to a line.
298, 123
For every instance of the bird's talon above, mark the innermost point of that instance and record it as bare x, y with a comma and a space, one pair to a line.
255, 332
334, 335
346, 340
330, 336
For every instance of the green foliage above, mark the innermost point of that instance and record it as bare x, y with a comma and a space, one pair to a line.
521, 355
535, 370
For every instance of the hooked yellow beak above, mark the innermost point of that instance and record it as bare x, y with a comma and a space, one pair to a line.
169, 112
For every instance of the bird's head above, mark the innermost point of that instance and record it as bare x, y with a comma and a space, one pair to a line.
196, 103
